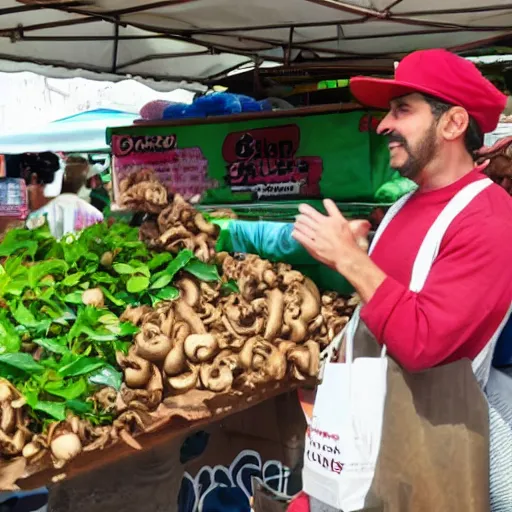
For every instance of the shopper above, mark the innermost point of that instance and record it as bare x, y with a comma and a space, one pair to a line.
440, 107
67, 213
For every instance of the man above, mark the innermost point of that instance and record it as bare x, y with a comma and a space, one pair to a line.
440, 106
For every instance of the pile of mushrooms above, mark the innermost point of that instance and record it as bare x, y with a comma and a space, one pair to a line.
14, 432
180, 226
141, 191
274, 327
64, 440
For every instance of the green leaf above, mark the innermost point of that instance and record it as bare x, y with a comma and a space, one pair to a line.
140, 268
203, 271
107, 376
127, 329
122, 346
159, 259
229, 287
79, 406
73, 279
115, 300
161, 281
10, 246
55, 345
179, 262
21, 361
137, 284
43, 268
73, 298
67, 389
167, 293
81, 366
123, 268
105, 278
56, 410
23, 316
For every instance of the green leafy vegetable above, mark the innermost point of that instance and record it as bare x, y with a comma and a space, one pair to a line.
203, 271
81, 366
137, 284
107, 376
21, 361
67, 389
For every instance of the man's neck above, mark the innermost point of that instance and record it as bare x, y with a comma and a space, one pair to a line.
443, 171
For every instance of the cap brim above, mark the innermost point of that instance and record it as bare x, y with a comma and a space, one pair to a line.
378, 92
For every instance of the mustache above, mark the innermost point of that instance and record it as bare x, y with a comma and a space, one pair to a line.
396, 137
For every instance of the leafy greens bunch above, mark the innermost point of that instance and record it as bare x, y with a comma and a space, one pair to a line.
56, 349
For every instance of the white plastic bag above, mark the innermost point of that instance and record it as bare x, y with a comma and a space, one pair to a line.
343, 437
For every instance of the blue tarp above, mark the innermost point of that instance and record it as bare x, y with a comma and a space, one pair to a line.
84, 132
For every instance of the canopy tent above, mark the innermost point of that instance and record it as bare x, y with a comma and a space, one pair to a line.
81, 132
202, 40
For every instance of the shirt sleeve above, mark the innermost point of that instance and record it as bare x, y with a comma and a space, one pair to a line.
467, 291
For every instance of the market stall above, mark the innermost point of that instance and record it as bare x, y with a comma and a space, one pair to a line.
332, 151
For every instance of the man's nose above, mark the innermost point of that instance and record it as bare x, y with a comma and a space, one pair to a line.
385, 127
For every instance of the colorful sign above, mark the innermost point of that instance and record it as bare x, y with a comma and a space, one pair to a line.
264, 163
333, 154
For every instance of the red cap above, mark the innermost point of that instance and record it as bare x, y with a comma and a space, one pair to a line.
441, 74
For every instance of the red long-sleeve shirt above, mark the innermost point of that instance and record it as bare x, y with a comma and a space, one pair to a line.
468, 291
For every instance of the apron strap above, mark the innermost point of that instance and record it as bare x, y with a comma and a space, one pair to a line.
390, 214
429, 248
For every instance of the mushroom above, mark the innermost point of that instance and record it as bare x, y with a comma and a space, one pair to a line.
93, 297
247, 353
297, 326
275, 307
305, 360
200, 348
30, 450
12, 445
184, 382
187, 314
106, 399
274, 364
175, 361
107, 258
8, 418
189, 291
66, 446
167, 322
137, 371
216, 377
151, 344
134, 315
204, 226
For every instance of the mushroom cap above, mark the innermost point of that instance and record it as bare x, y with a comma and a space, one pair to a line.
93, 297
216, 377
200, 348
153, 349
66, 446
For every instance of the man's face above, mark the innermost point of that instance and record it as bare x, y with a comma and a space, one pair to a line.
412, 134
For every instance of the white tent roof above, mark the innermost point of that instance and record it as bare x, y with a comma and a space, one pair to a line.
200, 40
79, 133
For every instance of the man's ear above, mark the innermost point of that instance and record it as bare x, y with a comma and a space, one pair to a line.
454, 123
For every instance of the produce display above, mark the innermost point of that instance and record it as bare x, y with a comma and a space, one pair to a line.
100, 329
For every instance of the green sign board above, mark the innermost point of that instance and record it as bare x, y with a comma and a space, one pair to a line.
266, 158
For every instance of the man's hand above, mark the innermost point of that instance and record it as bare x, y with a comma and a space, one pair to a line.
339, 244
330, 239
